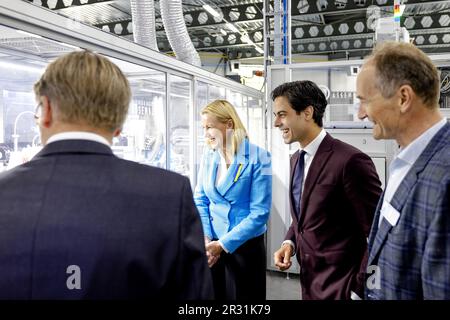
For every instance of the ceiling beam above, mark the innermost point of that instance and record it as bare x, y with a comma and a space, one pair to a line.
242, 53
200, 19
252, 13
362, 53
421, 39
245, 53
306, 7
325, 46
313, 38
218, 41
61, 4
424, 23
354, 29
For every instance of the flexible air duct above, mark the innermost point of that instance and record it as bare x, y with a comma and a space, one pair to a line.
143, 18
176, 31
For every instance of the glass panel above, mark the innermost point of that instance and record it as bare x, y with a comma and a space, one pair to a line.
255, 121
143, 135
19, 70
215, 93
202, 101
179, 125
338, 84
19, 133
143, 138
236, 100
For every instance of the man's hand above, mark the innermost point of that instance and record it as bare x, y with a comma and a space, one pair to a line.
282, 257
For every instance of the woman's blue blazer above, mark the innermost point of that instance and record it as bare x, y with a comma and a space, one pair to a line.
238, 208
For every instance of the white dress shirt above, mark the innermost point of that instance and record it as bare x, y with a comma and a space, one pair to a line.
221, 173
310, 152
222, 170
78, 135
403, 162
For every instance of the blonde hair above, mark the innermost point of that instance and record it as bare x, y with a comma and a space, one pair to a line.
224, 111
88, 89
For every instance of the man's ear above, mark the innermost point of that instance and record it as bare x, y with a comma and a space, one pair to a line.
406, 95
47, 112
117, 132
309, 112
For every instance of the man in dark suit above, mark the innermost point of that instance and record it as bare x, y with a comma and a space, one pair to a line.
334, 189
409, 243
79, 223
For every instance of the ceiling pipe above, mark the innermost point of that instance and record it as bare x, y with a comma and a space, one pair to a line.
176, 31
143, 19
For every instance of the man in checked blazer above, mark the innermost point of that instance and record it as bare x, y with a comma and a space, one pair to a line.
77, 222
409, 244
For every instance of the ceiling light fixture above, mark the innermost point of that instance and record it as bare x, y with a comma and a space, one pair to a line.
28, 34
232, 27
213, 12
246, 39
257, 48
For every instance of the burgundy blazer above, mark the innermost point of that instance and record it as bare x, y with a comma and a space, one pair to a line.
337, 207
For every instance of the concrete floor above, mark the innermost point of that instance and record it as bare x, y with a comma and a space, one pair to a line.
282, 286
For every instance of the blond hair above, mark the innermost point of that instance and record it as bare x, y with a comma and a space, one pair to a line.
397, 64
88, 89
224, 111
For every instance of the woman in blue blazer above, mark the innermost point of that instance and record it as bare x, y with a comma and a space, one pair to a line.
233, 197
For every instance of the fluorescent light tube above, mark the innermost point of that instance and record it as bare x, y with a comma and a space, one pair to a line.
28, 34
259, 49
213, 12
232, 27
246, 39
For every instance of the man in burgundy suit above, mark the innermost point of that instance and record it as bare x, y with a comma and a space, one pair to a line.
334, 190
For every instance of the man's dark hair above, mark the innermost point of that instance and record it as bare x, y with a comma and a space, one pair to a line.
302, 94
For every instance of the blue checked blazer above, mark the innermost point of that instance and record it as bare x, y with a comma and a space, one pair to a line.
413, 257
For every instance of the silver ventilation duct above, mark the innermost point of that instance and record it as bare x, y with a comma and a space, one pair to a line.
143, 18
176, 31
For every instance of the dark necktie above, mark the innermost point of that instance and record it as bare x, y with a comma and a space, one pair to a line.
297, 182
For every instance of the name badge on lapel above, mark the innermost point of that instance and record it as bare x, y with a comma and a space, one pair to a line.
390, 213
238, 173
